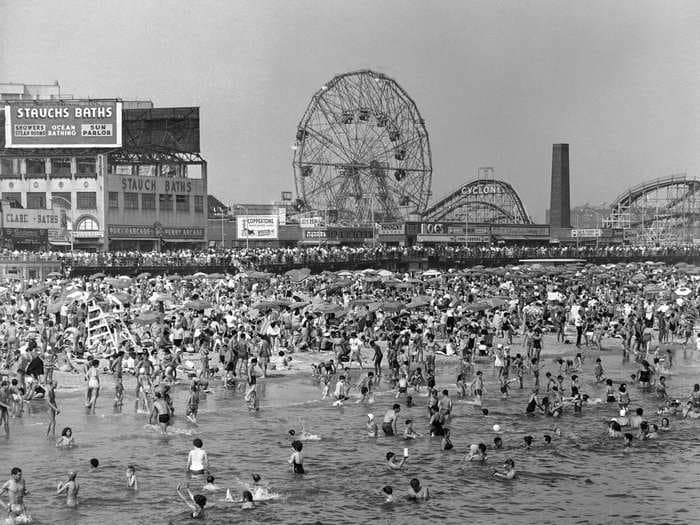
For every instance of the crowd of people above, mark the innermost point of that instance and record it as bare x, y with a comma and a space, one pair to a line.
363, 329
266, 257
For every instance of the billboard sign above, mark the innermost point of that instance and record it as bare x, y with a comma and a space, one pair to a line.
586, 232
282, 216
315, 234
63, 124
32, 219
257, 227
311, 222
391, 229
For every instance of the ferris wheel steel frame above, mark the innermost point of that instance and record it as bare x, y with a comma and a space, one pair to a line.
362, 151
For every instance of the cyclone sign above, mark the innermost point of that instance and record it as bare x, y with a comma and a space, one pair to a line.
482, 189
63, 124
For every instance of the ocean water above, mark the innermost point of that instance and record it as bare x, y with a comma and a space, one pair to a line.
583, 478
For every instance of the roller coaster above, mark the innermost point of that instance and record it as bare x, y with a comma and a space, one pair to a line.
663, 211
481, 201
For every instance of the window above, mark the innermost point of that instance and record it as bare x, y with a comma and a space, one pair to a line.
36, 200
121, 169
61, 199
88, 224
36, 168
13, 197
199, 204
8, 169
87, 166
86, 200
182, 203
113, 198
60, 167
165, 202
131, 201
148, 201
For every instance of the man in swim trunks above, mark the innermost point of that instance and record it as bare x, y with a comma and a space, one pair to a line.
16, 491
389, 422
161, 410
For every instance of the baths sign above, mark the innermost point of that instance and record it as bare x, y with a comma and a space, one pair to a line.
63, 124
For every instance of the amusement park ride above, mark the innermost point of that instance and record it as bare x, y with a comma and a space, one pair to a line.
362, 157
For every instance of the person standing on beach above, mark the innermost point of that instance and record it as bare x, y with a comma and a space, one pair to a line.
53, 408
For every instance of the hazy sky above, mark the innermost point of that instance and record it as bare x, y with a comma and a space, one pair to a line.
496, 81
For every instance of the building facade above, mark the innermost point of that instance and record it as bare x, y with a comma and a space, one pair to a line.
127, 175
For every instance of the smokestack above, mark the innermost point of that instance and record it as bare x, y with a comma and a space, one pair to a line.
559, 201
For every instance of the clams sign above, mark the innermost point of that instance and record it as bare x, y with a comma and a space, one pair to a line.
63, 124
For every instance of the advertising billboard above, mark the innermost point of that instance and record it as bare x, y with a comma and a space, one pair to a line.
63, 124
257, 227
21, 219
311, 222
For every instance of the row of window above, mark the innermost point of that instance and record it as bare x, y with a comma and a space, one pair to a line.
148, 202
60, 167
37, 200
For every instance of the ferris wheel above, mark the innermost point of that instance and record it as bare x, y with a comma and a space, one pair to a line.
362, 151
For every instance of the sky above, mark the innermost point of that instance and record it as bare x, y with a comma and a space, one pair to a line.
497, 82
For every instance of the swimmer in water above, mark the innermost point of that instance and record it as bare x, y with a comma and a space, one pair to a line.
210, 486
392, 463
196, 503
66, 439
497, 443
296, 460
388, 494
71, 488
477, 453
416, 491
665, 424
247, 500
408, 432
372, 429
528, 442
197, 459
131, 481
508, 471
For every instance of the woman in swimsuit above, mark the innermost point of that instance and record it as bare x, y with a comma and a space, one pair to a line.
532, 403
93, 379
296, 460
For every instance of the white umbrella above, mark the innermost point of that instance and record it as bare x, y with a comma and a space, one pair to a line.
683, 291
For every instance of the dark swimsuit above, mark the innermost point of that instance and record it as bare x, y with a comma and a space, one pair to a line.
531, 407
298, 468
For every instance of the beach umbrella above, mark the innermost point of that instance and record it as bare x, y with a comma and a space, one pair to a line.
216, 276
298, 274
385, 273
118, 283
327, 308
189, 278
54, 275
144, 275
147, 317
683, 291
36, 290
391, 306
55, 306
344, 273
120, 298
198, 304
477, 307
259, 275
419, 302
173, 277
98, 275
361, 301
271, 305
372, 278
496, 302
638, 278
159, 297
432, 273
200, 275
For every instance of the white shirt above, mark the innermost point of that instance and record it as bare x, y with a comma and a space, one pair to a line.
197, 459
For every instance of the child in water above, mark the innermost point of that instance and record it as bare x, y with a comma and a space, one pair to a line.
508, 471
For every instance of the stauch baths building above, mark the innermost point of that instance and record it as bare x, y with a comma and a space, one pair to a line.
120, 175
